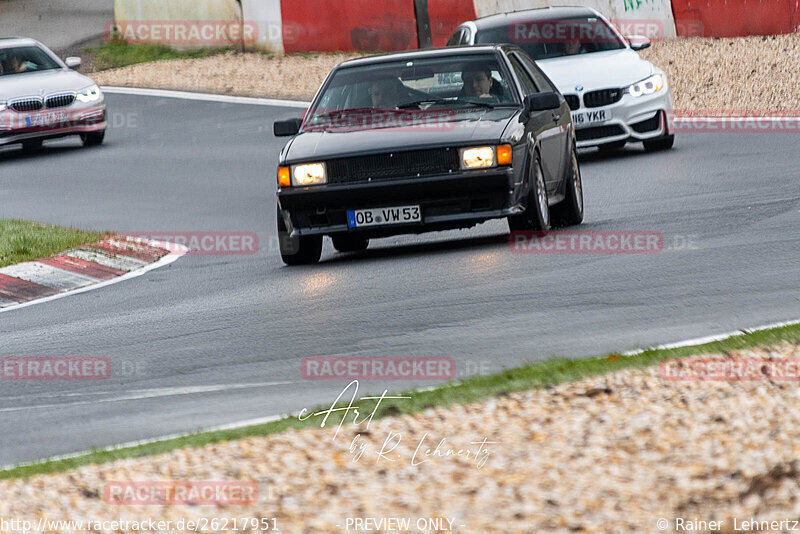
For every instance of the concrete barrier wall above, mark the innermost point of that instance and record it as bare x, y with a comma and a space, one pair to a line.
368, 25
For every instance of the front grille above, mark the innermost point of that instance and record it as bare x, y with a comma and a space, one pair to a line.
649, 125
26, 104
393, 165
573, 101
60, 101
598, 132
603, 97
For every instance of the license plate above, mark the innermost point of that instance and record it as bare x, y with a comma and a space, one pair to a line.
383, 216
586, 118
46, 119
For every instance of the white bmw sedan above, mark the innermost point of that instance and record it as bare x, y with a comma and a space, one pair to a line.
42, 97
616, 97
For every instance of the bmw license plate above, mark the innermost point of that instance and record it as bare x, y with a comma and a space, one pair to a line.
46, 119
383, 216
588, 118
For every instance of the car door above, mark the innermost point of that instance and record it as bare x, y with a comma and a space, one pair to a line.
542, 126
564, 118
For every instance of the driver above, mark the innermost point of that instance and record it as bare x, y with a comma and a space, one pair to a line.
15, 65
385, 93
478, 82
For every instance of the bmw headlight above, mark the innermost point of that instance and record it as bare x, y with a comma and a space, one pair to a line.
309, 174
648, 86
90, 94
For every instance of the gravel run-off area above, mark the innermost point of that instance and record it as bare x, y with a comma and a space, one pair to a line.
741, 74
611, 454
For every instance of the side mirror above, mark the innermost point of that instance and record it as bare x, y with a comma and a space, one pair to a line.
286, 128
73, 62
638, 42
542, 101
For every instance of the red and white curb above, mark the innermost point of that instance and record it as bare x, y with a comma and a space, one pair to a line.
81, 269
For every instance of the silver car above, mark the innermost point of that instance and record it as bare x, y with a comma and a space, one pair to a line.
42, 97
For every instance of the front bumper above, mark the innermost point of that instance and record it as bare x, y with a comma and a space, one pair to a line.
632, 119
446, 202
16, 127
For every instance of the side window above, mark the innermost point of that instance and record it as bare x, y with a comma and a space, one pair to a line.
525, 79
538, 76
457, 38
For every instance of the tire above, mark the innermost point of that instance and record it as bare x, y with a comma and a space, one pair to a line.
536, 216
661, 143
303, 250
569, 211
93, 139
610, 147
350, 243
32, 146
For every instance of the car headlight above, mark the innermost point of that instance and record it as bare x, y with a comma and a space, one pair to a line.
309, 174
3, 106
482, 157
648, 86
90, 94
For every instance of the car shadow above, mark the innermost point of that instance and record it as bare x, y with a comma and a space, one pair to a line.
426, 249
588, 155
12, 153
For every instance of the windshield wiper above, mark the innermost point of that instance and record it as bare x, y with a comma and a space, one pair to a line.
478, 104
431, 100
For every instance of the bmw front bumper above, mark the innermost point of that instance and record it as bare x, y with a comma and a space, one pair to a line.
16, 127
631, 119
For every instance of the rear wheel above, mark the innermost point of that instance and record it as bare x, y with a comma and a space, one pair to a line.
302, 250
661, 143
570, 210
350, 243
537, 210
32, 145
93, 139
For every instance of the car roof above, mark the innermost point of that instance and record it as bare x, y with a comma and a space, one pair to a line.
546, 13
426, 53
6, 42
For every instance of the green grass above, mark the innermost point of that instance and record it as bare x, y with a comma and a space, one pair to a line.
542, 374
25, 241
113, 55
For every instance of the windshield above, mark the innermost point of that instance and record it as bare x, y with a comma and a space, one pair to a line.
544, 39
442, 85
25, 59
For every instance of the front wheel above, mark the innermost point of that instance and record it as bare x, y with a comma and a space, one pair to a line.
536, 216
302, 250
661, 143
93, 139
570, 210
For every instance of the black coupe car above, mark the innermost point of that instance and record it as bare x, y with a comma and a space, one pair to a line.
426, 140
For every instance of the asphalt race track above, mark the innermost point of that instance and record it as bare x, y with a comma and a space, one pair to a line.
219, 339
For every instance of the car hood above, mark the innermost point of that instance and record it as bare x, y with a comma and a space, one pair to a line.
464, 128
41, 83
599, 70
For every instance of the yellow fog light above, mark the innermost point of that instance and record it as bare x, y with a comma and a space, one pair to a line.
309, 174
477, 158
